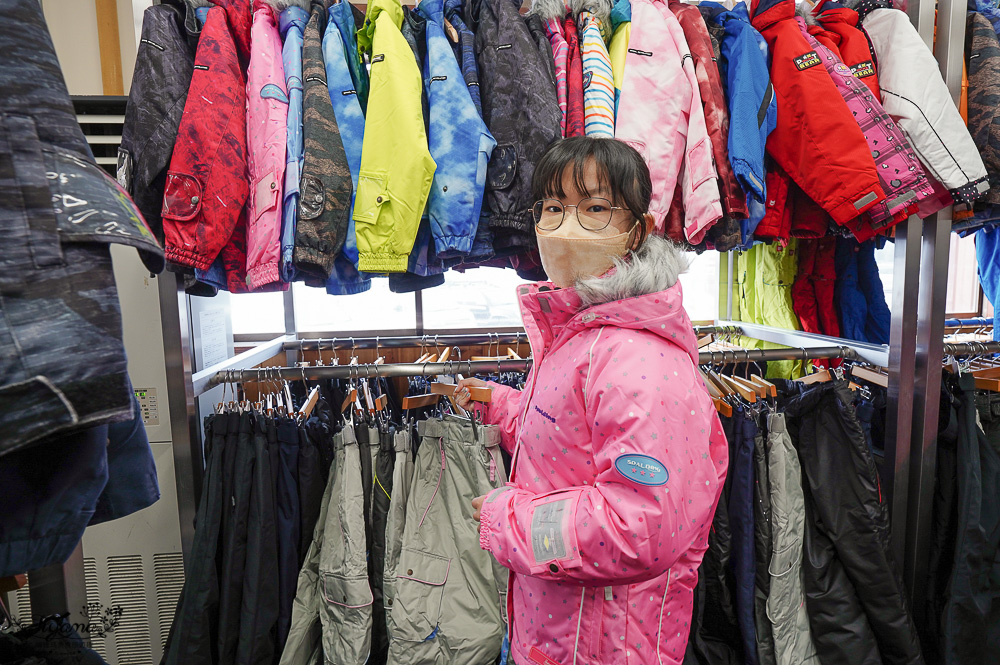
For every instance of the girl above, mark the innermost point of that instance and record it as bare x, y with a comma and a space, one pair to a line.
619, 456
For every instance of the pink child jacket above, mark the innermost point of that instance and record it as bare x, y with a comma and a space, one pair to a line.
660, 114
267, 112
619, 460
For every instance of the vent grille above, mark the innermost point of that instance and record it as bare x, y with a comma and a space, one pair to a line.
128, 588
168, 571
98, 643
102, 119
22, 601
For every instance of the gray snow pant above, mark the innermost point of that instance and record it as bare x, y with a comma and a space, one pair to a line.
786, 601
448, 594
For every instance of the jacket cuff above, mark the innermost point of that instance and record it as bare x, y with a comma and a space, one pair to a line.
844, 212
490, 504
262, 275
382, 263
313, 260
187, 257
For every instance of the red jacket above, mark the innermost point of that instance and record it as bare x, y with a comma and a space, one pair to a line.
853, 45
574, 80
207, 180
816, 141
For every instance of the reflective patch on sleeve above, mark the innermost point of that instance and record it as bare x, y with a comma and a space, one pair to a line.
547, 541
494, 495
642, 469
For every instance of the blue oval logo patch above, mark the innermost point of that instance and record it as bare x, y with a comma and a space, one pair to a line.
271, 91
642, 469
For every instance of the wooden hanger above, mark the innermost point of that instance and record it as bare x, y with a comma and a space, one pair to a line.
350, 399
720, 385
760, 391
741, 390
869, 375
770, 389
818, 377
479, 394
310, 403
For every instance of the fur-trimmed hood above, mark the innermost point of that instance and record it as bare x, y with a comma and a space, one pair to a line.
653, 268
548, 9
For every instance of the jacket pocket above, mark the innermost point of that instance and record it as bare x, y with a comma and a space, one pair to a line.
784, 569
420, 582
502, 167
311, 197
699, 159
181, 197
373, 193
266, 191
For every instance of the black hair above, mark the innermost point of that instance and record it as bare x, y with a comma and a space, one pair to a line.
620, 169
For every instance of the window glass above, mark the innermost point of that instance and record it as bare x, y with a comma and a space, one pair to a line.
963, 278
255, 313
701, 286
377, 309
480, 298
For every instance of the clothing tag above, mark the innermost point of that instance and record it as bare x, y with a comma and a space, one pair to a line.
608, 593
205, 67
863, 69
806, 60
316, 79
378, 58
638, 52
348, 93
504, 47
642, 469
474, 83
439, 78
587, 78
865, 200
536, 655
152, 43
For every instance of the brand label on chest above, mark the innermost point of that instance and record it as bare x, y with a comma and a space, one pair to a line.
806, 60
378, 58
642, 469
648, 54
863, 69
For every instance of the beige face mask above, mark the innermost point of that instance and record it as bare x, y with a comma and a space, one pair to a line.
571, 253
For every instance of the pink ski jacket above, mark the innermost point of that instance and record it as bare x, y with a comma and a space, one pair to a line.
660, 114
267, 113
619, 460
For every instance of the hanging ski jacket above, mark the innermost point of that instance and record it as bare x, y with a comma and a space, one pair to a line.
552, 13
586, 520
458, 140
163, 67
916, 96
662, 117
900, 174
837, 174
206, 185
465, 51
520, 108
864, 314
714, 102
593, 23
575, 113
292, 22
347, 20
345, 278
391, 194
326, 187
239, 16
853, 46
983, 55
753, 107
267, 117
621, 24
857, 605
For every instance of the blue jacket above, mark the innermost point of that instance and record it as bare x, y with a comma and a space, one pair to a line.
458, 139
342, 14
292, 23
753, 107
342, 80
988, 258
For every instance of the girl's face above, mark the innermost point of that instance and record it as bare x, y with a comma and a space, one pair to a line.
592, 202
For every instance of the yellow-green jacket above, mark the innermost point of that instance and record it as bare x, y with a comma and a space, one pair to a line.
396, 166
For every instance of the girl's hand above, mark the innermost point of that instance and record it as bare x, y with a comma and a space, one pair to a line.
462, 395
477, 503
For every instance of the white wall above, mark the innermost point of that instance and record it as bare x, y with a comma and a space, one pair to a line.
73, 24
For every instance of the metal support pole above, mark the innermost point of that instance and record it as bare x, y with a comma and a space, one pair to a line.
186, 436
933, 287
900, 400
288, 300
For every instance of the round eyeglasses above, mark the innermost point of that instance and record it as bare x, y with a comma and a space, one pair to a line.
593, 214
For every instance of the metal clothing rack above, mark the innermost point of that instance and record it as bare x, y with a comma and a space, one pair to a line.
472, 367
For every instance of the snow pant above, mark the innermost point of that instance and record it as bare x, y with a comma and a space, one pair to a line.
762, 549
285, 436
786, 600
448, 593
382, 490
741, 518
